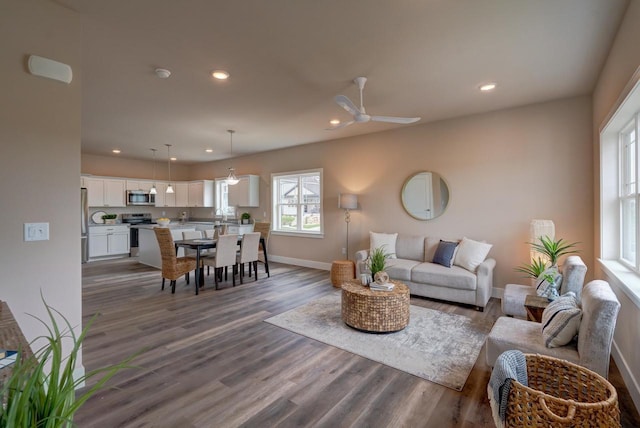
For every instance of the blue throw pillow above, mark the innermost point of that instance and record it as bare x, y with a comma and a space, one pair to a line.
444, 253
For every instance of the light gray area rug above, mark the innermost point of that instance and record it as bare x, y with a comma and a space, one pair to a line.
435, 346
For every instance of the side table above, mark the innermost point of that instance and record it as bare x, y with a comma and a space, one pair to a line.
341, 271
375, 311
535, 307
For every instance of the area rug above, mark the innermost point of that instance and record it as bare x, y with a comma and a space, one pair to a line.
436, 346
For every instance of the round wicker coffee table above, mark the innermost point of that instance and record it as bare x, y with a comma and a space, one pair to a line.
375, 311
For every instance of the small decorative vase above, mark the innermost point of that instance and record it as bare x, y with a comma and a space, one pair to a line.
381, 277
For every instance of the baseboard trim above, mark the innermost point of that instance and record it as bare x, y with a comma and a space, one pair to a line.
300, 262
627, 375
497, 292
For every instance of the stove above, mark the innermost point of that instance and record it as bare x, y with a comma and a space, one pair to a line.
132, 219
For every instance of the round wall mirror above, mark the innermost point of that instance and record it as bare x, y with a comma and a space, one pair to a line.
425, 195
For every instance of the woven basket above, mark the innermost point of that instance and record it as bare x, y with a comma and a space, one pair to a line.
561, 394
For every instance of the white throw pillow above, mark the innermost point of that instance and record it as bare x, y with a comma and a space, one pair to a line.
471, 253
385, 240
561, 320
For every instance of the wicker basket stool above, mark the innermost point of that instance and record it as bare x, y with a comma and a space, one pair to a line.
375, 311
341, 271
561, 394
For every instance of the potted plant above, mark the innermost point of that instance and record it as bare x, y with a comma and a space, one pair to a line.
534, 269
377, 261
110, 218
245, 218
41, 390
554, 249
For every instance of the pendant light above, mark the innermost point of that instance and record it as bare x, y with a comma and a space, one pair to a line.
231, 179
153, 190
169, 188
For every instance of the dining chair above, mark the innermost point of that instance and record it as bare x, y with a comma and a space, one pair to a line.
249, 253
173, 267
265, 231
211, 234
224, 257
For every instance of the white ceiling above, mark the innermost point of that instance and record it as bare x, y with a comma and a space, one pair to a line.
289, 58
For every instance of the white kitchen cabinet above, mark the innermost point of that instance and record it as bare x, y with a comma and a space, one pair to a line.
246, 193
139, 185
182, 194
105, 192
201, 193
164, 199
108, 240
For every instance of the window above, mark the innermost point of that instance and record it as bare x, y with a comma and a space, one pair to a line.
629, 195
297, 202
222, 199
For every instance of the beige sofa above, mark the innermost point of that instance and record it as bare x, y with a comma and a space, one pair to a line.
413, 266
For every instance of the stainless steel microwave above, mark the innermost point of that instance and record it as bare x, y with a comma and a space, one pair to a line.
140, 197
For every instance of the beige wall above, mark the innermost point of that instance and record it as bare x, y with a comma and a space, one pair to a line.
40, 163
118, 166
623, 61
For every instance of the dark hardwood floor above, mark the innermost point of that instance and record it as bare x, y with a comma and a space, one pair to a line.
210, 361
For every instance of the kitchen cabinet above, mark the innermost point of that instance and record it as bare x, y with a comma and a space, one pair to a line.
103, 192
201, 193
246, 193
139, 185
182, 194
164, 199
108, 241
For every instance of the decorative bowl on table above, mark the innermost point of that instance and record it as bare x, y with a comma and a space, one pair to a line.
163, 221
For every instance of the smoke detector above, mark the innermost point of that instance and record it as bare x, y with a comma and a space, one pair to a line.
163, 73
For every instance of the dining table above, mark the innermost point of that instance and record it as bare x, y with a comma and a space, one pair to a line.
200, 244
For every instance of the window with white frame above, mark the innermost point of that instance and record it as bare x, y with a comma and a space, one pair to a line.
629, 195
297, 202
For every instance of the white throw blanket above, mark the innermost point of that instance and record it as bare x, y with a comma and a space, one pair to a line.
510, 365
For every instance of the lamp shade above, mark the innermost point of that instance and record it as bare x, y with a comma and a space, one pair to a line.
537, 230
348, 201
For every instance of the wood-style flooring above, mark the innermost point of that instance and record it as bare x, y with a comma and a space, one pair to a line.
211, 361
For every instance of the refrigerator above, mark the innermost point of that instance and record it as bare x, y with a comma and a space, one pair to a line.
84, 225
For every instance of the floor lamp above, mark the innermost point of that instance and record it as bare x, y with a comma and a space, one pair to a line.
347, 202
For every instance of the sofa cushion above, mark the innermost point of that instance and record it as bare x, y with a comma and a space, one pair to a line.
561, 321
471, 253
400, 268
435, 274
430, 247
385, 240
445, 253
410, 247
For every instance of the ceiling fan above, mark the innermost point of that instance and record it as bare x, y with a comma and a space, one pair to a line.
360, 114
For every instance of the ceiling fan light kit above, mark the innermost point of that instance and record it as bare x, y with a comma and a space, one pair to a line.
360, 114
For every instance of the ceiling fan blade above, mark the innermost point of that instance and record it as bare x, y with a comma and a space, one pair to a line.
347, 104
342, 125
392, 119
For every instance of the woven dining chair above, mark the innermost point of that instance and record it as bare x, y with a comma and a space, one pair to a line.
249, 253
265, 231
173, 267
225, 256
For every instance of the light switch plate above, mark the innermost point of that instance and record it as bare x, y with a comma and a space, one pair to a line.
36, 231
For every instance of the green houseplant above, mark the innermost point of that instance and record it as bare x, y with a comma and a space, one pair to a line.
245, 218
533, 269
41, 389
110, 218
554, 249
377, 260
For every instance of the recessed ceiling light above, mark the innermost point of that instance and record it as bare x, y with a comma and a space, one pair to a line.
209, 150
220, 74
116, 151
487, 87
334, 122
163, 73
173, 159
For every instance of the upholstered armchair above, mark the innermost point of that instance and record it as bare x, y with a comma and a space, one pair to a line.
600, 309
573, 273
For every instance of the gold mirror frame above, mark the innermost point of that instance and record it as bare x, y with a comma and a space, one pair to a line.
425, 195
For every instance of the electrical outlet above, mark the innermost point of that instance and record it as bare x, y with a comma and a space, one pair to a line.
344, 250
36, 231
